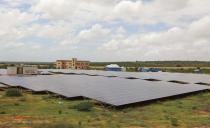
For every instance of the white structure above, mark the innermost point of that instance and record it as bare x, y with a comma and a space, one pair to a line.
30, 70
114, 67
25, 70
12, 70
123, 69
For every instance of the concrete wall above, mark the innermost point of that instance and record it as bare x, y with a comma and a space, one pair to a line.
30, 70
12, 70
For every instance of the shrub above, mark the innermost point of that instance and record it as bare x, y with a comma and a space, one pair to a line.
174, 122
194, 107
47, 97
22, 99
80, 123
13, 93
60, 112
16, 104
71, 107
2, 112
84, 106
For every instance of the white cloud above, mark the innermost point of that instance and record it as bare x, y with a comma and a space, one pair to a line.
13, 18
187, 43
200, 29
170, 12
58, 9
14, 45
128, 8
36, 46
57, 31
12, 26
95, 32
59, 28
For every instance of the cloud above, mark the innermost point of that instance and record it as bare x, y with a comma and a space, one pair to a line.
179, 43
105, 30
159, 11
55, 9
95, 32
199, 29
12, 26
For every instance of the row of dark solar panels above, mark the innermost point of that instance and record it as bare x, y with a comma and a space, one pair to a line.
2, 86
116, 92
163, 76
183, 78
3, 71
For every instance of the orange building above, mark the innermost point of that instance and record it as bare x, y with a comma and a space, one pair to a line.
72, 64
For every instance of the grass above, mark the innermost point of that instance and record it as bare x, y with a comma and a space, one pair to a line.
13, 92
84, 106
38, 111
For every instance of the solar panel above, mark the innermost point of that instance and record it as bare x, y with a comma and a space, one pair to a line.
3, 71
1, 86
121, 91
39, 83
186, 77
164, 76
114, 91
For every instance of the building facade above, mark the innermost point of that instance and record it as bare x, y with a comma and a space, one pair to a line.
24, 70
12, 70
72, 64
30, 70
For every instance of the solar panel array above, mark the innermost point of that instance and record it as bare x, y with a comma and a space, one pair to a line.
2, 86
113, 91
163, 76
3, 71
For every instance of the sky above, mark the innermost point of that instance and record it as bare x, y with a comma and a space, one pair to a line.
104, 30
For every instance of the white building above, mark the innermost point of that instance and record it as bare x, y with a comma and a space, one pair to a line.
12, 70
114, 67
25, 70
30, 70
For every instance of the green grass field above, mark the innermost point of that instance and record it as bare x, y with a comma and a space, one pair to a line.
32, 111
